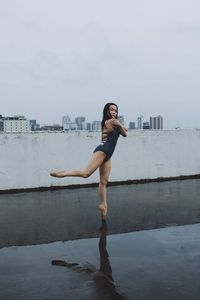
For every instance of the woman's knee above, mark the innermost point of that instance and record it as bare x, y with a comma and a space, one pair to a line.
103, 181
85, 174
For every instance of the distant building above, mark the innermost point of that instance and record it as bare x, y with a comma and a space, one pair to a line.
65, 122
146, 125
34, 126
81, 123
156, 122
121, 119
68, 124
16, 124
1, 124
131, 125
96, 125
160, 122
89, 126
55, 127
84, 126
139, 122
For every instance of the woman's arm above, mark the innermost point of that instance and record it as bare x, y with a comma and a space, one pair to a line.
116, 124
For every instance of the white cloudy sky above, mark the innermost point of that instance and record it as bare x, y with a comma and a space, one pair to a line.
62, 57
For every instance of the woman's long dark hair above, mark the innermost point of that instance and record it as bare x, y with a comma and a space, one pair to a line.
106, 114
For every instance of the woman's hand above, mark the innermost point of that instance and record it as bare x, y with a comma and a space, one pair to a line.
116, 124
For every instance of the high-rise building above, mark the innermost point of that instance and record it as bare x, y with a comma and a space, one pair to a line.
131, 125
89, 126
160, 122
1, 124
65, 121
96, 125
67, 124
81, 124
139, 122
121, 119
156, 122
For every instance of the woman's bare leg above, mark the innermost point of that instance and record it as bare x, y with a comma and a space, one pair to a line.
104, 172
95, 161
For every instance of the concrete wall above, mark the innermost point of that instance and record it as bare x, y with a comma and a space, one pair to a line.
27, 158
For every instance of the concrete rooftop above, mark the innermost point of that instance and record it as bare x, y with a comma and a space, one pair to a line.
54, 245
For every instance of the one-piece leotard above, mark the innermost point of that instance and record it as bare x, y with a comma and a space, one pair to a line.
108, 144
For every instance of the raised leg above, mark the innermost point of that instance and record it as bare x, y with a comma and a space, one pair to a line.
104, 172
95, 161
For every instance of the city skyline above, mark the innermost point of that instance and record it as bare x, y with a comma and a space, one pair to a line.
58, 60
9, 123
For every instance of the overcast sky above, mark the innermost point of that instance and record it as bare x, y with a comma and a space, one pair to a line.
61, 57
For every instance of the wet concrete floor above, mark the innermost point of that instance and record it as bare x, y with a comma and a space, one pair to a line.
54, 245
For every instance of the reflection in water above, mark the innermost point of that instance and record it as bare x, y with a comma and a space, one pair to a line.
104, 282
105, 266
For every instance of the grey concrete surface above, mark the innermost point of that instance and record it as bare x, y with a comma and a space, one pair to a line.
53, 245
43, 217
158, 264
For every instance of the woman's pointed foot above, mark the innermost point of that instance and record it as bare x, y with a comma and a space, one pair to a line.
58, 174
103, 209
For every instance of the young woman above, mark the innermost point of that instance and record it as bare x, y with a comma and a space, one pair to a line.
101, 158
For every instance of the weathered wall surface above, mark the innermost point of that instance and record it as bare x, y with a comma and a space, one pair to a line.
27, 158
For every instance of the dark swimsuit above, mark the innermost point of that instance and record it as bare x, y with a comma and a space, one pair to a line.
108, 145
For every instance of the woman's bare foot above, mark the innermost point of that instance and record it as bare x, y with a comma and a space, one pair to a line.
58, 174
103, 209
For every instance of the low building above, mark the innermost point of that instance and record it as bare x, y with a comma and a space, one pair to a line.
34, 125
131, 125
16, 124
146, 125
51, 128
